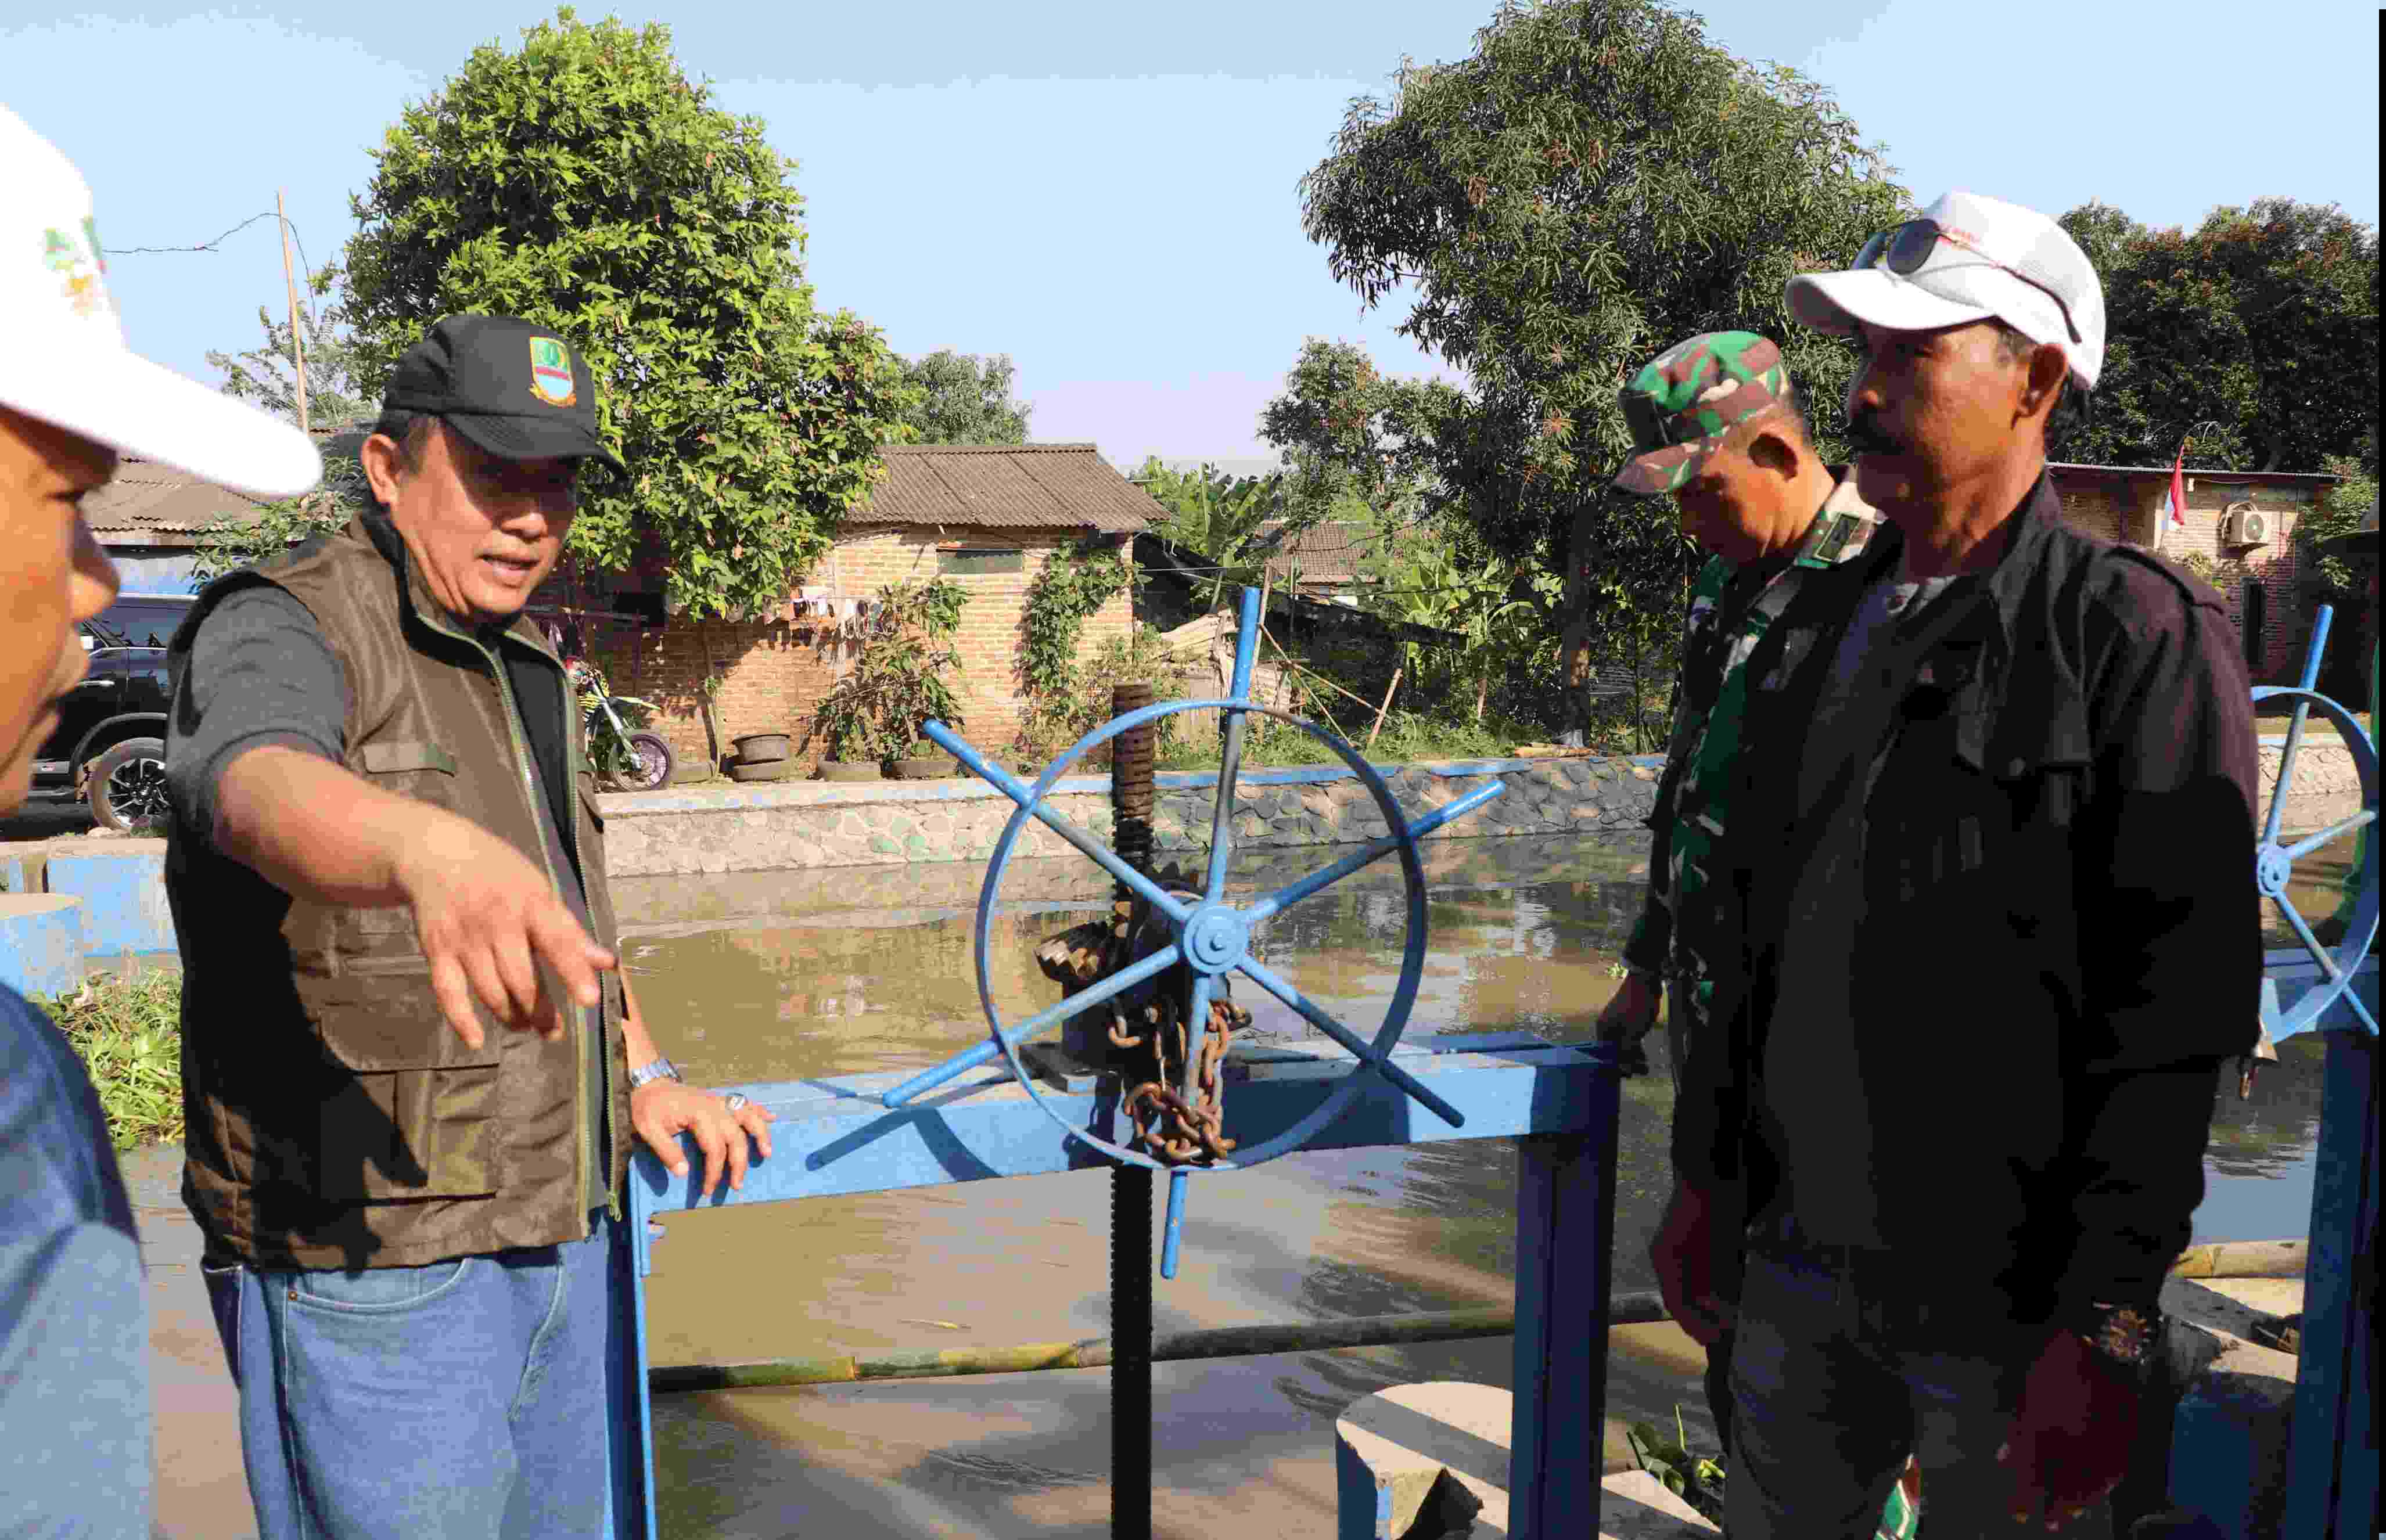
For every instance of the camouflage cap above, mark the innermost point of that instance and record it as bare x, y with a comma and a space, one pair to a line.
1683, 401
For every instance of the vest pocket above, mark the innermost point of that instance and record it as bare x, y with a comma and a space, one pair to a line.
430, 1132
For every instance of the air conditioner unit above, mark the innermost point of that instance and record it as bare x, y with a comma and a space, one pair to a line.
2243, 525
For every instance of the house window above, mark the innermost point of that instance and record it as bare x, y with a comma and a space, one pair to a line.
974, 561
2255, 613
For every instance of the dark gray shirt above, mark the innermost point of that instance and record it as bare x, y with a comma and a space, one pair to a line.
260, 672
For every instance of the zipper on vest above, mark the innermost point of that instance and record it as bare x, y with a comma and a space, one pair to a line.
583, 1155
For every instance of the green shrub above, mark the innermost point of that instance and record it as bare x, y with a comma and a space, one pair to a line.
130, 1034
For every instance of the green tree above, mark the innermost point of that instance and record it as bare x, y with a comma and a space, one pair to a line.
1350, 436
1594, 183
2256, 334
965, 399
1222, 519
266, 377
582, 181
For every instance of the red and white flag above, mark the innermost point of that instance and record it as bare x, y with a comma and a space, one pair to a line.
2178, 499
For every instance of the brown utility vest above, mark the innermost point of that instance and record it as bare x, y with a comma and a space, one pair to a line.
333, 1117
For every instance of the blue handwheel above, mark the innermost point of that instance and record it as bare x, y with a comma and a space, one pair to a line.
2274, 862
1212, 938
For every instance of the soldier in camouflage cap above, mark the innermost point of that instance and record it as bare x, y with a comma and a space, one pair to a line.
1716, 422
1683, 401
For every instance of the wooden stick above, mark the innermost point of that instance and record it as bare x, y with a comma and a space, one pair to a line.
1385, 708
297, 336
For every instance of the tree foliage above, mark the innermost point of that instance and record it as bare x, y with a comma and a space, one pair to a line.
2256, 334
267, 377
965, 399
1596, 182
1232, 522
582, 181
905, 676
1352, 436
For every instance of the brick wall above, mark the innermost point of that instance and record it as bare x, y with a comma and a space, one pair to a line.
2129, 509
774, 674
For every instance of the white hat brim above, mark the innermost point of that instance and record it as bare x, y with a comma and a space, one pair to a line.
117, 397
1834, 302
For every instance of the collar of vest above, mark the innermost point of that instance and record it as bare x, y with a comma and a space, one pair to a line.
374, 527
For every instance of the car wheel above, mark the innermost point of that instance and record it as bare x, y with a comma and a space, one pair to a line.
128, 786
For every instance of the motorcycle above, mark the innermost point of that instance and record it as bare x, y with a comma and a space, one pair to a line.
624, 758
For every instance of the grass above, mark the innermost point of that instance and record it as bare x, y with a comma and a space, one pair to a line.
130, 1034
1406, 736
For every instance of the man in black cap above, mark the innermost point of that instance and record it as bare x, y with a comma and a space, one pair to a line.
411, 1066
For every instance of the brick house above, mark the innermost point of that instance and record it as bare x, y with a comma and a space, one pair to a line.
2260, 578
987, 518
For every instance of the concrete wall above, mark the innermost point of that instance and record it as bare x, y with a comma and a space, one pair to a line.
805, 824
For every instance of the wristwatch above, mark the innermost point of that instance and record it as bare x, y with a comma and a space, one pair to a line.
661, 1069
2123, 1335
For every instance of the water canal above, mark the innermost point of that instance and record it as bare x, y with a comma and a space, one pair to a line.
782, 975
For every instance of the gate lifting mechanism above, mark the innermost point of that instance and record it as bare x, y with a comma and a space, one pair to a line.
1160, 969
1211, 939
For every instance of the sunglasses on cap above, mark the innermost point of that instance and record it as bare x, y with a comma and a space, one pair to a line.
1903, 249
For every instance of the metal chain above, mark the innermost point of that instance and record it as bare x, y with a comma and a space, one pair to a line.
1150, 1051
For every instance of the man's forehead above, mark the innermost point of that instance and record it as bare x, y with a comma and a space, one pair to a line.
84, 462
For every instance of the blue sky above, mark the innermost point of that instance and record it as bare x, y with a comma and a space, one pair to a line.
1107, 192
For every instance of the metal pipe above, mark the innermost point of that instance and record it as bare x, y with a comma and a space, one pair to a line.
1217, 1342
1131, 1426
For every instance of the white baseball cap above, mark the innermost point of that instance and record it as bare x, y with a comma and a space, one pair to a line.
63, 357
1966, 258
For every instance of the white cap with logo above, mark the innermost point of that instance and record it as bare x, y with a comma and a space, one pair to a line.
1966, 258
63, 357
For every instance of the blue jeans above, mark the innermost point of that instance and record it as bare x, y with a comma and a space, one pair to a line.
1843, 1362
465, 1399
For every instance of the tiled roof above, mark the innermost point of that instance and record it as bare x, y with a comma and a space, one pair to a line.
1324, 553
149, 498
1027, 486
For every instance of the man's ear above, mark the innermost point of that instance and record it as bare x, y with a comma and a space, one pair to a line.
2044, 383
383, 459
1772, 451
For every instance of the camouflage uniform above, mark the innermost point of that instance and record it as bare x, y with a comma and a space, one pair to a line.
1683, 930
1680, 408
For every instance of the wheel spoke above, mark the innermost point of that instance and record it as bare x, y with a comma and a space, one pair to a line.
1043, 1020
1359, 1046
2304, 846
2311, 943
2286, 774
1230, 759
1173, 1230
1316, 882
1024, 795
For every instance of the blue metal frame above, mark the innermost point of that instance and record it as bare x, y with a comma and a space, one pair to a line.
1212, 936
2332, 1472
836, 1137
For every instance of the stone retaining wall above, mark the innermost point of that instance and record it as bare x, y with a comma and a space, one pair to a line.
793, 825
2327, 787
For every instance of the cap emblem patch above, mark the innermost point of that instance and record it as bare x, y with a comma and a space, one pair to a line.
550, 372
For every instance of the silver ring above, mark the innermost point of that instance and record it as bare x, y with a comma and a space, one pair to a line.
734, 1100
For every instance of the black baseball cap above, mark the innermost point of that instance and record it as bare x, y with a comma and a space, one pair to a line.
519, 391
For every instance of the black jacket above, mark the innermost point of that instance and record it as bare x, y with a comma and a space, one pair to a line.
2050, 803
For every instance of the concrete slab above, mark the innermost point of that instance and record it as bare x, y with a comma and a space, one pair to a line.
124, 890
40, 942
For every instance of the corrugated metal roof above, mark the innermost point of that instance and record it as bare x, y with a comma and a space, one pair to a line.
1027, 486
1324, 553
2232, 477
149, 498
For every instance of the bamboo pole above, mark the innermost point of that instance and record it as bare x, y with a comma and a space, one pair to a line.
1382, 710
298, 333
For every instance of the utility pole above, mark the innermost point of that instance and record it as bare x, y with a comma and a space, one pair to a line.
297, 336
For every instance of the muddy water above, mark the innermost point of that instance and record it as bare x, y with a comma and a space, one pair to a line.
770, 976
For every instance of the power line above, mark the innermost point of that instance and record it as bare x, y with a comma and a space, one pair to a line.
204, 245
314, 319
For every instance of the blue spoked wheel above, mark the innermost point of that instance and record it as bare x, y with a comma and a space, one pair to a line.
1212, 937
2275, 859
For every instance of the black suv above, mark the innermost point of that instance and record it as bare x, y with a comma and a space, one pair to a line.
110, 746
